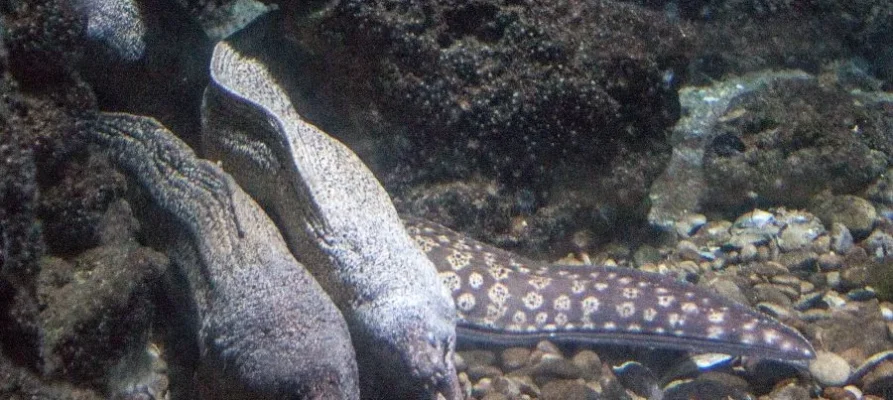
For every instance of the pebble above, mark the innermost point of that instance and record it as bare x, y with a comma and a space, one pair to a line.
703, 389
688, 250
839, 393
841, 238
547, 347
821, 244
748, 253
476, 372
771, 294
525, 384
756, 219
459, 362
589, 363
789, 392
799, 260
507, 387
881, 190
478, 357
775, 310
688, 224
829, 369
646, 254
514, 358
800, 230
726, 379
830, 262
861, 294
465, 384
815, 314
834, 299
713, 231
856, 213
568, 390
728, 289
853, 277
552, 366
481, 387
879, 244
808, 300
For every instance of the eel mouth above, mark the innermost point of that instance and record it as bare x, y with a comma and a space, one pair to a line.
436, 368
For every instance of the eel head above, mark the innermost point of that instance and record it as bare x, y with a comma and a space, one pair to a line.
415, 356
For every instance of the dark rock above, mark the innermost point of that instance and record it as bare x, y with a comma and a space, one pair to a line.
540, 97
856, 213
73, 208
45, 39
96, 310
798, 142
17, 382
751, 35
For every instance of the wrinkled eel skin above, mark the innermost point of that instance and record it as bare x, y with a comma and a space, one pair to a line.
116, 24
266, 329
339, 222
504, 298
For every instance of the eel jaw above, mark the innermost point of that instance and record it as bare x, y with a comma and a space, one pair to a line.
414, 354
440, 380
429, 353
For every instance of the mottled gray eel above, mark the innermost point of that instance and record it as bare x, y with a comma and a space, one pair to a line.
266, 329
304, 178
339, 222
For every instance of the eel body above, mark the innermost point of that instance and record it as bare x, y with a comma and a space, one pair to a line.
338, 220
504, 298
265, 327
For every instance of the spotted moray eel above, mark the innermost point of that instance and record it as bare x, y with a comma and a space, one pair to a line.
504, 298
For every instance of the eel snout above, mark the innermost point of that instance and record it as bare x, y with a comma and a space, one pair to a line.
431, 353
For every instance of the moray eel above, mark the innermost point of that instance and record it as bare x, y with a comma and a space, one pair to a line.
337, 220
504, 298
265, 328
117, 25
